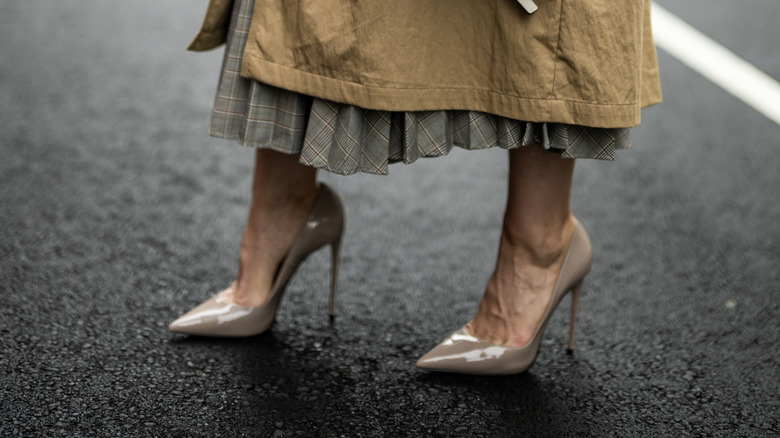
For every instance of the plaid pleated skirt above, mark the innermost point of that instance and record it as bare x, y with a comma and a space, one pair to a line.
347, 139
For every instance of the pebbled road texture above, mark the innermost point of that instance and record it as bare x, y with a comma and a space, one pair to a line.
118, 213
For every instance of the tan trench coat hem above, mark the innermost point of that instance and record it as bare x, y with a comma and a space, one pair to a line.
426, 99
213, 31
587, 78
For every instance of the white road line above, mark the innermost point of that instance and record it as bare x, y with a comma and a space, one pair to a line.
716, 63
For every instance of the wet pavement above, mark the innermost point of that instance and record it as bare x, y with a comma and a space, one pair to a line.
118, 213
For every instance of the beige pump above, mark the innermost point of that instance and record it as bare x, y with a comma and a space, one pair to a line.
216, 317
463, 353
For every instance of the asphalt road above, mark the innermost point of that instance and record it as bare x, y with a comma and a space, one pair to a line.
118, 213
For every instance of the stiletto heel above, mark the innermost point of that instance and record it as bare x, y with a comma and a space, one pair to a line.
335, 249
215, 317
463, 353
575, 299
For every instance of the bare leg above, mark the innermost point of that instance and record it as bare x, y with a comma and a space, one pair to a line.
283, 190
537, 229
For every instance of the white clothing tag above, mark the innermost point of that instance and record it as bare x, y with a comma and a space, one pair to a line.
528, 5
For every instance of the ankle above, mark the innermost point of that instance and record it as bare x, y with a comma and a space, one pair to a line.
284, 198
276, 216
540, 244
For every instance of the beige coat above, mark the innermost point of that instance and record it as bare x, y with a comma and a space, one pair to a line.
585, 62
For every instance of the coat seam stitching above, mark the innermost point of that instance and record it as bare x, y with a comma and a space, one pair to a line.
557, 50
373, 87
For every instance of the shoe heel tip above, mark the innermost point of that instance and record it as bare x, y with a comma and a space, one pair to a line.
569, 351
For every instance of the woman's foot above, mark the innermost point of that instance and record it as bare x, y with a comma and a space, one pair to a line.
269, 233
283, 191
509, 352
520, 289
221, 316
538, 235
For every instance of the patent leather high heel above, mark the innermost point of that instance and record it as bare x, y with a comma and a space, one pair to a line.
216, 317
463, 353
